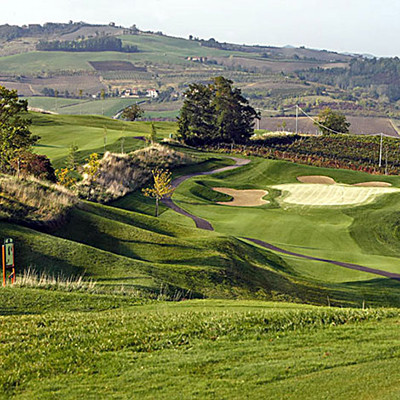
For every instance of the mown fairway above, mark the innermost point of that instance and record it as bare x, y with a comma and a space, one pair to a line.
111, 346
89, 133
107, 107
328, 232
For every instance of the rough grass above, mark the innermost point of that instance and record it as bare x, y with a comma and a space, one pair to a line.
199, 349
120, 174
33, 201
30, 278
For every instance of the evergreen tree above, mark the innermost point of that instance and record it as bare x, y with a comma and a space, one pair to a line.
15, 135
215, 113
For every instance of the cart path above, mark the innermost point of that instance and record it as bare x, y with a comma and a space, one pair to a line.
200, 222
206, 225
356, 267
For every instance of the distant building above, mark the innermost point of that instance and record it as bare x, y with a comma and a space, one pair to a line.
153, 93
130, 93
197, 59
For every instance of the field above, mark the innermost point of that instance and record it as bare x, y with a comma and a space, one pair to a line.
358, 125
107, 107
346, 234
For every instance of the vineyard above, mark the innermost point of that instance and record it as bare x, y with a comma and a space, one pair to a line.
359, 153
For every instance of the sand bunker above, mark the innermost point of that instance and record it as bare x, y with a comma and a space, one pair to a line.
330, 195
321, 179
373, 184
243, 198
326, 180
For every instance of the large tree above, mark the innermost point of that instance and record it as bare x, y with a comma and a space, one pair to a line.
215, 113
332, 122
132, 113
15, 135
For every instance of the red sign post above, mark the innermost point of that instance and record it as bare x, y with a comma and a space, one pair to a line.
8, 260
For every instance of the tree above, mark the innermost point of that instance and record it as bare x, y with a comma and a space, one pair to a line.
161, 188
197, 120
153, 133
71, 162
65, 177
215, 113
329, 121
15, 135
28, 163
91, 169
235, 117
133, 112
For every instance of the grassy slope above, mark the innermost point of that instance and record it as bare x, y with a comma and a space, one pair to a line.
109, 346
154, 49
59, 132
107, 107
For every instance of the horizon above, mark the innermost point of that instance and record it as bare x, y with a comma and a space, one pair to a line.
306, 23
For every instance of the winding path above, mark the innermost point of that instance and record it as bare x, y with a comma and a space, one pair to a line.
206, 225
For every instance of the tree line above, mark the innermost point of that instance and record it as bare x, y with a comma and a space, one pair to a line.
106, 43
378, 77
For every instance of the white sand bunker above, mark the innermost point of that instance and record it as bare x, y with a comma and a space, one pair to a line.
243, 198
316, 179
373, 184
330, 195
327, 180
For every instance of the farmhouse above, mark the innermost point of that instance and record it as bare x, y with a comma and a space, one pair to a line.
197, 59
130, 93
153, 93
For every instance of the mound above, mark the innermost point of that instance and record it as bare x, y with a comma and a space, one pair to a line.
326, 180
243, 198
373, 184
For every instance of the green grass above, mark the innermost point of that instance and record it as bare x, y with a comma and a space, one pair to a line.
336, 233
154, 49
59, 132
107, 107
250, 329
110, 346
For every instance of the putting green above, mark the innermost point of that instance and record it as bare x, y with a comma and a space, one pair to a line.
309, 194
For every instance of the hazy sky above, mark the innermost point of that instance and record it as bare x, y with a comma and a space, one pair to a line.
362, 26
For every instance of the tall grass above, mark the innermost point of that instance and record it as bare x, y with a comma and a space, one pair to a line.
30, 200
120, 174
30, 278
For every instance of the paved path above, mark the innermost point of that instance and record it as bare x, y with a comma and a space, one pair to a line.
204, 224
341, 264
200, 222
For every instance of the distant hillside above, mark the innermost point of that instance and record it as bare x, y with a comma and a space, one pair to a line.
271, 77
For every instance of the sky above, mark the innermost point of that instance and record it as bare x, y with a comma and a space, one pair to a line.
359, 26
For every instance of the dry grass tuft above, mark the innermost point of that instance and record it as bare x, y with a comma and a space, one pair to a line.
30, 278
30, 200
120, 174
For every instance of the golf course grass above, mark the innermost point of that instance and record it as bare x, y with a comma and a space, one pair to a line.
91, 133
114, 346
180, 312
